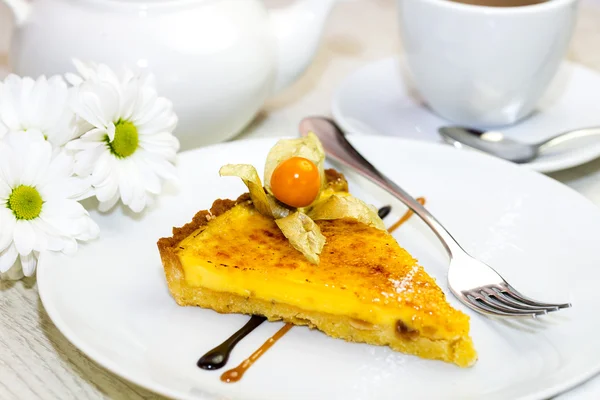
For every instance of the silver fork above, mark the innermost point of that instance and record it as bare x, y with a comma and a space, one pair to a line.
475, 283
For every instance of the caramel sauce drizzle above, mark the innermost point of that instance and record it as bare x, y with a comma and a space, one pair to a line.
405, 217
235, 374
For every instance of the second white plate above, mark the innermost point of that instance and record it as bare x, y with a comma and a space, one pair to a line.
380, 99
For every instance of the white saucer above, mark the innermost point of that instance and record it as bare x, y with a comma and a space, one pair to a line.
380, 99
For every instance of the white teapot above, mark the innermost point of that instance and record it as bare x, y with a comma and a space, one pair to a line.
217, 60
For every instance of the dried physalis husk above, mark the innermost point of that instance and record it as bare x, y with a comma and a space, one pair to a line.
303, 234
263, 202
340, 205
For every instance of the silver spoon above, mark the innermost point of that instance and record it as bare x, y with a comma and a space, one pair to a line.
495, 143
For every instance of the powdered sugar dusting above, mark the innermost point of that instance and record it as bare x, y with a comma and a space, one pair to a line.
404, 285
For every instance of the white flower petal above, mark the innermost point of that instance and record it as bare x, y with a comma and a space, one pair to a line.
9, 94
39, 155
58, 121
160, 111
24, 237
145, 105
28, 263
14, 273
68, 130
32, 97
127, 179
35, 132
8, 258
85, 229
70, 246
151, 181
148, 80
84, 144
96, 135
166, 149
107, 189
164, 122
139, 198
41, 257
110, 131
107, 205
127, 76
79, 188
86, 160
106, 75
73, 79
49, 238
74, 188
96, 102
67, 229
3, 129
107, 167
37, 107
140, 193
128, 100
61, 230
9, 170
7, 226
163, 168
80, 125
5, 191
160, 139
87, 70
63, 208
41, 237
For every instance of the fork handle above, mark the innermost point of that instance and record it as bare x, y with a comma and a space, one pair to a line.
340, 149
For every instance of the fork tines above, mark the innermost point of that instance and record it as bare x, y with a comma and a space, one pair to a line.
504, 300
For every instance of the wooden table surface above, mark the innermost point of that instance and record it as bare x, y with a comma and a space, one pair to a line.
38, 362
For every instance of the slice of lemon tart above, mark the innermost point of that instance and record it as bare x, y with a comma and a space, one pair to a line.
330, 266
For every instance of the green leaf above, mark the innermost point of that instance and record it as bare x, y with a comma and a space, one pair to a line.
307, 147
263, 202
339, 206
303, 234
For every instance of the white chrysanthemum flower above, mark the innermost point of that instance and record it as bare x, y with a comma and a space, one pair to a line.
39, 107
39, 208
127, 148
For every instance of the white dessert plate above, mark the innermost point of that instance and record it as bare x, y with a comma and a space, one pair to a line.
380, 98
111, 299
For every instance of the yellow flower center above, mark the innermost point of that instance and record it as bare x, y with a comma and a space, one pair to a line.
126, 139
25, 202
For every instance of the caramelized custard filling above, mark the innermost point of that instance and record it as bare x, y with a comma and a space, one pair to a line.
363, 272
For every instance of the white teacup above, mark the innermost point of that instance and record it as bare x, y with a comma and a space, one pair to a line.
484, 66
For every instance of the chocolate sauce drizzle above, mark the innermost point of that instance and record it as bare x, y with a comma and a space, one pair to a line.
217, 357
384, 211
